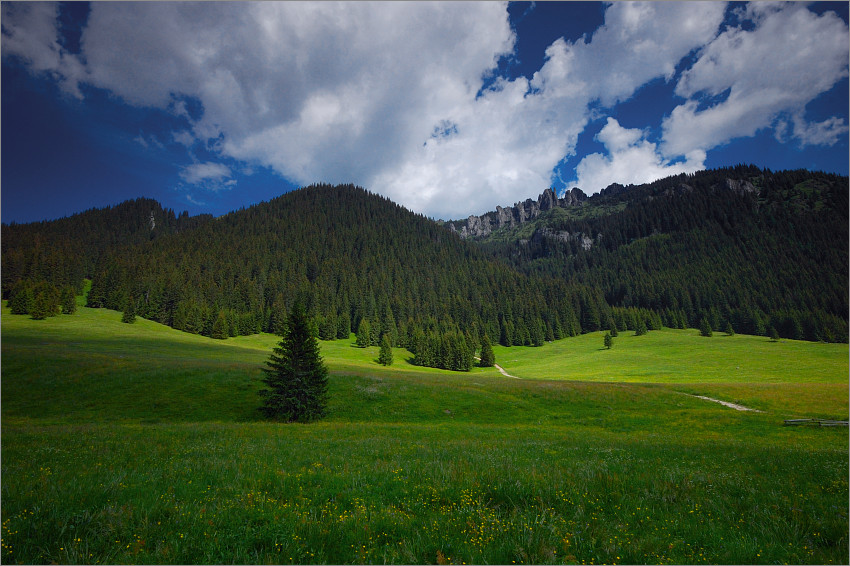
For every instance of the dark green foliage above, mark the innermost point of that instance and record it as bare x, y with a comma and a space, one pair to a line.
729, 330
345, 253
65, 251
220, 327
41, 307
640, 327
21, 299
505, 333
364, 334
343, 326
327, 328
740, 245
296, 376
445, 350
45, 300
488, 358
385, 356
68, 300
705, 328
608, 340
129, 315
774, 334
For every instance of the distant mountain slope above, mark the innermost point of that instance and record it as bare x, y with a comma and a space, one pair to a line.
744, 248
347, 253
740, 245
64, 251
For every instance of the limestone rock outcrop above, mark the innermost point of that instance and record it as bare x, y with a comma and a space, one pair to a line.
519, 213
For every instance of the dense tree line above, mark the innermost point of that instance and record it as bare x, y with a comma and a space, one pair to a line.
349, 256
64, 252
740, 247
745, 249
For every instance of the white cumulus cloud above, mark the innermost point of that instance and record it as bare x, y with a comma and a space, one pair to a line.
30, 31
630, 159
387, 94
791, 57
381, 94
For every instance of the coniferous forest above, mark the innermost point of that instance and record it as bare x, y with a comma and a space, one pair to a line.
742, 247
749, 250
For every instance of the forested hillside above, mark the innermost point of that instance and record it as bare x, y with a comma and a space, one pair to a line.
748, 250
739, 246
63, 252
348, 254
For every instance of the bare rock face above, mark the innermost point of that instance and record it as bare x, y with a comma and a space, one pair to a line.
740, 187
484, 225
547, 200
547, 234
573, 197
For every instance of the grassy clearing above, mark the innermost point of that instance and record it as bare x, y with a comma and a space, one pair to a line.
680, 356
139, 444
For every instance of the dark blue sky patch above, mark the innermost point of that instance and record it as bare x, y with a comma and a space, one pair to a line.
73, 17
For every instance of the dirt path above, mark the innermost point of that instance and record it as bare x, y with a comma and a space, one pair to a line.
726, 403
501, 369
506, 374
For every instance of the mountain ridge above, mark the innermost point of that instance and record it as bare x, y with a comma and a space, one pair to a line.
744, 247
476, 226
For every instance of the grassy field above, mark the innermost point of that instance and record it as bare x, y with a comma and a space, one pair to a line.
139, 444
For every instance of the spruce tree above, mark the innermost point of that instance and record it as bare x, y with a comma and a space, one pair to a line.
364, 333
296, 375
219, 329
41, 306
705, 327
385, 357
343, 326
22, 299
68, 300
488, 358
129, 315
609, 341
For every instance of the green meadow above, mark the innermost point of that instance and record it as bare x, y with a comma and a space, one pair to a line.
140, 444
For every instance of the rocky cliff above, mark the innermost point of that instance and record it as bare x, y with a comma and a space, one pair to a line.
484, 225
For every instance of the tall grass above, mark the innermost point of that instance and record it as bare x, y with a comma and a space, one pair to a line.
138, 444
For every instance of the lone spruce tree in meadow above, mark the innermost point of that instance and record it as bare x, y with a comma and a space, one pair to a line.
705, 328
608, 340
296, 375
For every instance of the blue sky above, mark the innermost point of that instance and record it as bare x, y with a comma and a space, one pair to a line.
447, 108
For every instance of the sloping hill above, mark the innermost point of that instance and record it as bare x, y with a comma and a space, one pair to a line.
742, 246
347, 253
65, 251
747, 249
